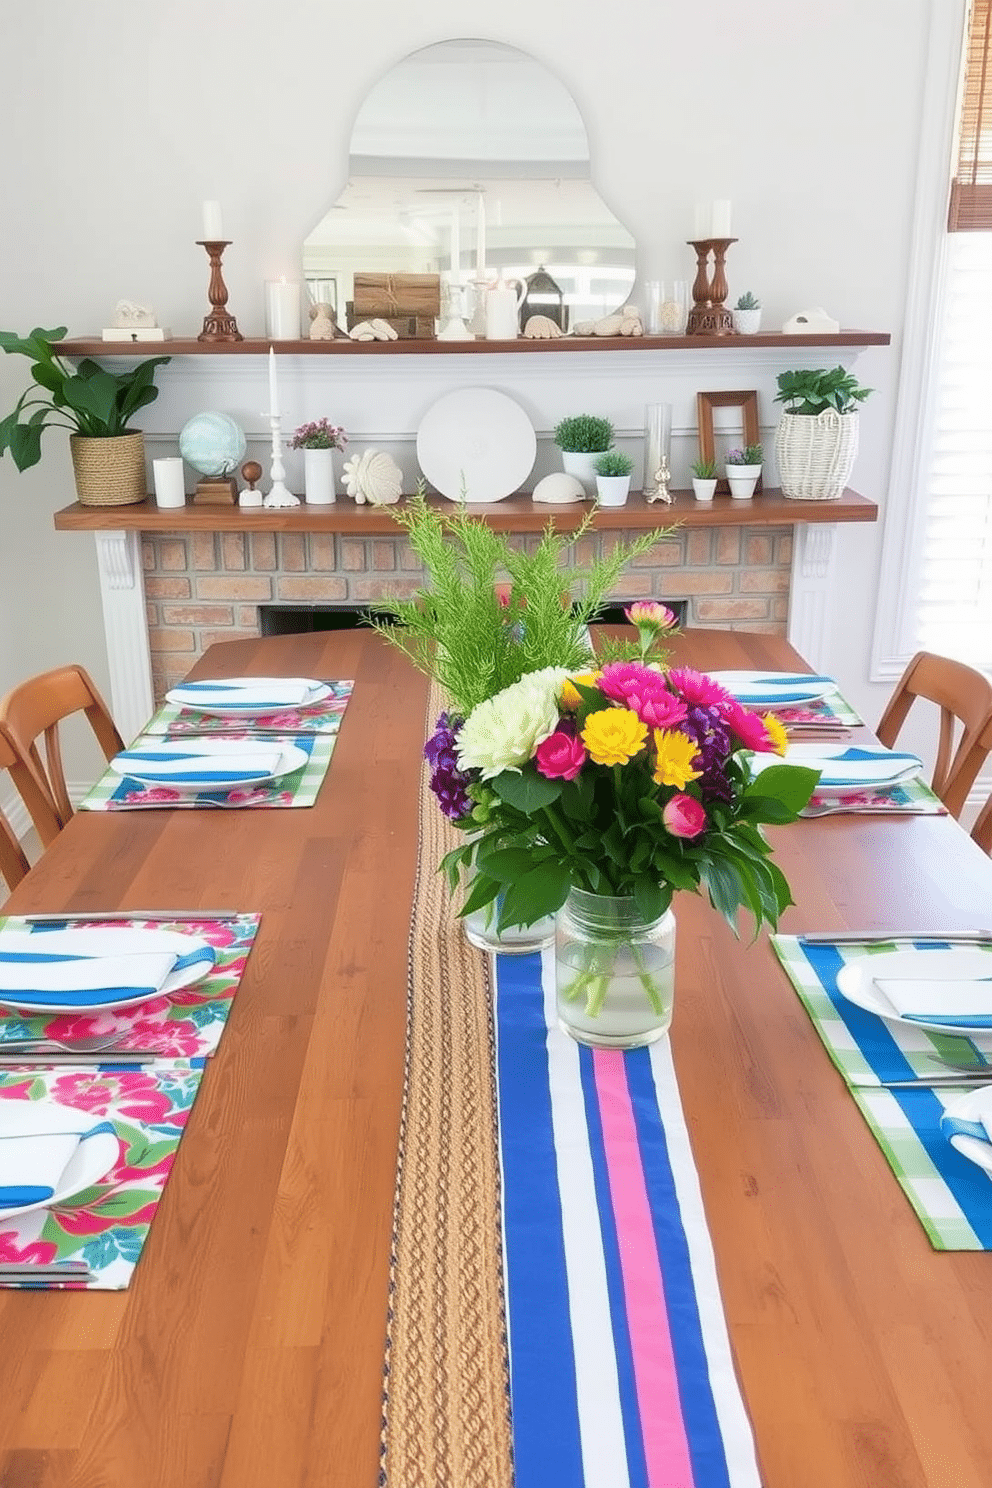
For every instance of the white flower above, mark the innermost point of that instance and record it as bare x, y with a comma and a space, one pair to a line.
503, 732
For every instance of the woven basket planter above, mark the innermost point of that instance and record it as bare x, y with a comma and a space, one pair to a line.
109, 472
816, 453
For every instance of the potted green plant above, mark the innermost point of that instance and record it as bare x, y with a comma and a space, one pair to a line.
581, 438
742, 468
704, 479
613, 477
108, 457
816, 441
747, 315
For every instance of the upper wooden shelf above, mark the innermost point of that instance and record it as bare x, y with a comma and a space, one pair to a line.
183, 346
516, 514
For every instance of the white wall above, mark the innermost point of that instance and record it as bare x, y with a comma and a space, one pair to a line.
120, 118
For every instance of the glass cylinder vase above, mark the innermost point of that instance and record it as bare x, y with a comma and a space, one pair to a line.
614, 971
657, 442
515, 940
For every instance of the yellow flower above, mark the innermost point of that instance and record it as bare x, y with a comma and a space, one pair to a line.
614, 736
568, 697
775, 729
676, 752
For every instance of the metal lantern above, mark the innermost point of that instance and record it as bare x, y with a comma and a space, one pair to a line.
543, 297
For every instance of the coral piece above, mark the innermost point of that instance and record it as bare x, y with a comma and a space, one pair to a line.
373, 477
542, 328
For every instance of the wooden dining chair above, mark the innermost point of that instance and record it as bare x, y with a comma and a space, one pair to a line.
981, 749
13, 862
964, 696
30, 716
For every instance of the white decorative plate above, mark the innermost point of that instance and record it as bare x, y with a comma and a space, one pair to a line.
91, 1161
200, 698
857, 982
476, 445
290, 758
197, 959
770, 691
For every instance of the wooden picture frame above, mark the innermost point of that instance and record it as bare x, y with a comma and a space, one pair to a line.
706, 403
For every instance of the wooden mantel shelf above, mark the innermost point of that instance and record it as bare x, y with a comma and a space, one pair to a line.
515, 514
189, 346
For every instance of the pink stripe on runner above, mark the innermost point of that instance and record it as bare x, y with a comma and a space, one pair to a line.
666, 1447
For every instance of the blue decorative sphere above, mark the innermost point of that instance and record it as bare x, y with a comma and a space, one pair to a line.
213, 443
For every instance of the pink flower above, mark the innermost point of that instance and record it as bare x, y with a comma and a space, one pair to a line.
748, 727
560, 757
648, 612
697, 688
643, 691
684, 816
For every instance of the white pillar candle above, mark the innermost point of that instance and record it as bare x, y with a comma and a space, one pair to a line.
170, 485
282, 310
213, 222
480, 235
273, 386
720, 222
456, 247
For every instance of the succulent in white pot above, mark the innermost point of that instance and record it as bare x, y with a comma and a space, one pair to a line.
704, 479
581, 438
747, 315
613, 471
816, 441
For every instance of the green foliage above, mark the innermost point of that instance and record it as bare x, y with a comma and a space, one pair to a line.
461, 632
88, 400
584, 434
751, 454
614, 462
748, 301
813, 391
704, 469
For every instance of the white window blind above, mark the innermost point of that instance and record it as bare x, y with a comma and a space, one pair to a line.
953, 613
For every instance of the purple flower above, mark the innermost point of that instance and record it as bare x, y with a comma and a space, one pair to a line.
448, 782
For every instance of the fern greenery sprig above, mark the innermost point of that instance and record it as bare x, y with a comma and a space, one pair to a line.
475, 633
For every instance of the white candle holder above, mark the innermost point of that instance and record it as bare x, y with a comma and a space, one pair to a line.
453, 327
279, 495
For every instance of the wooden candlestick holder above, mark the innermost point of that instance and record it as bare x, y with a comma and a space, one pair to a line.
709, 290
219, 325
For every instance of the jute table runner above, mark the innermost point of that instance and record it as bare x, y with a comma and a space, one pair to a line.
445, 1389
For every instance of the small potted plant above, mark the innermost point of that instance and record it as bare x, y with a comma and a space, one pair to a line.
743, 470
581, 438
704, 478
318, 441
613, 477
108, 456
747, 315
817, 437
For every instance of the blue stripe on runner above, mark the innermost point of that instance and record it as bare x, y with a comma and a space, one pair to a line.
702, 1425
542, 1365
634, 1437
969, 1185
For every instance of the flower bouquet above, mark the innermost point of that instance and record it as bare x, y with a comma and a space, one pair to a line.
320, 435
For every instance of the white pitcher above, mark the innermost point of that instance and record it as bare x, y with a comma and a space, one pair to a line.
502, 310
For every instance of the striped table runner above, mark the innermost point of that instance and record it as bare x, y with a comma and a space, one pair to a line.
621, 1374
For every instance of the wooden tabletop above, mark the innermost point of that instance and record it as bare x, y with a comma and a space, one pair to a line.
248, 1349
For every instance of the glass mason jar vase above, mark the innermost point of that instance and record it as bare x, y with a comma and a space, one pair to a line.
516, 940
614, 971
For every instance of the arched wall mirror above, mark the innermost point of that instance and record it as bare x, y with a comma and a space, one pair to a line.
470, 155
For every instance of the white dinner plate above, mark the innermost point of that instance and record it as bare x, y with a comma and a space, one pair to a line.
476, 445
857, 981
200, 699
884, 769
91, 1161
771, 690
975, 1105
197, 959
289, 756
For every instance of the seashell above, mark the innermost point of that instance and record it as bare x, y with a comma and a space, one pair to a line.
559, 489
542, 328
630, 322
608, 326
373, 477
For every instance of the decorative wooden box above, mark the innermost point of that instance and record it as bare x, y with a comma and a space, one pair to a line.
389, 296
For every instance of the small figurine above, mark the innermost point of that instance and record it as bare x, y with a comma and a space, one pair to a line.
129, 316
322, 327
662, 476
252, 472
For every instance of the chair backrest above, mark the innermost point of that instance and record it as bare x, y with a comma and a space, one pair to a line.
964, 696
13, 863
982, 829
30, 715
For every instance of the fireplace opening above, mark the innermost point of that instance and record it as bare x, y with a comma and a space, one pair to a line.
302, 619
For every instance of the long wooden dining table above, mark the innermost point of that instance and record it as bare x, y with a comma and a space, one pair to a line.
248, 1350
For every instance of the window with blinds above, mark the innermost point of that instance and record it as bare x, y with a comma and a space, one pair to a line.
971, 185
953, 612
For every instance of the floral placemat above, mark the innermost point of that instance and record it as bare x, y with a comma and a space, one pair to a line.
911, 798
186, 1024
950, 1194
325, 718
107, 1224
113, 792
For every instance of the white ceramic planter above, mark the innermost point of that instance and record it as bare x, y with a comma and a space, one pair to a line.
742, 480
703, 489
747, 322
583, 467
318, 477
612, 490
